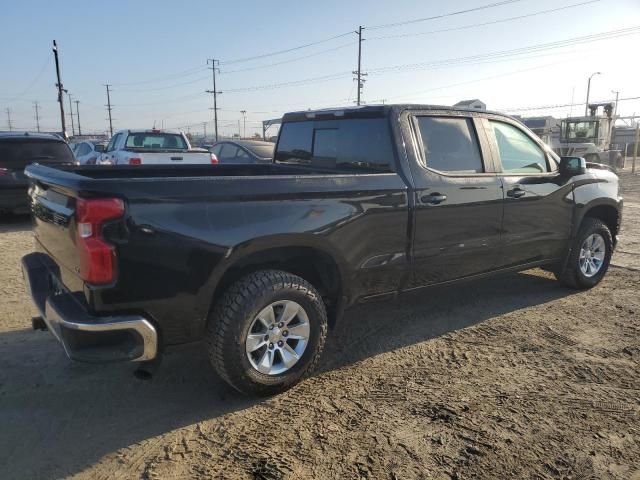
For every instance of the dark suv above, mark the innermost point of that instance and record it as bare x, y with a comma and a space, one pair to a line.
19, 149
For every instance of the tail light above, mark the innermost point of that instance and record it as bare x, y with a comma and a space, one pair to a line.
5, 171
97, 257
135, 161
214, 159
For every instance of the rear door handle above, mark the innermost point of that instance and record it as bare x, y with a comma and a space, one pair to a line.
516, 193
433, 199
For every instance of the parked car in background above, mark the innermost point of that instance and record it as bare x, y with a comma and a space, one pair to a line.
87, 152
359, 204
145, 147
19, 149
243, 151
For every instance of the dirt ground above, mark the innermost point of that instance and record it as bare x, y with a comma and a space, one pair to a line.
514, 377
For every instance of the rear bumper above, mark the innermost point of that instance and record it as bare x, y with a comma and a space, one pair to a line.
85, 337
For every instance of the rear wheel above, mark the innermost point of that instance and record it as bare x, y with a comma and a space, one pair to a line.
590, 255
267, 332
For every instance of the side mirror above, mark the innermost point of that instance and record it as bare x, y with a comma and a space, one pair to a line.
573, 166
100, 148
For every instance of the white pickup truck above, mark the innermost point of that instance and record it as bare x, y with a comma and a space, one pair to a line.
153, 147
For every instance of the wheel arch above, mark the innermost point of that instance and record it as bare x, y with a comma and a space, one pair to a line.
606, 210
317, 263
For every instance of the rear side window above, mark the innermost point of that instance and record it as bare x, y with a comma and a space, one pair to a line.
518, 152
351, 144
18, 154
156, 140
450, 144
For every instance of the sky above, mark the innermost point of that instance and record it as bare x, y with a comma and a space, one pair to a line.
517, 56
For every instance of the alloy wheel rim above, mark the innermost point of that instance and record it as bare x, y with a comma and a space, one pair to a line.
592, 254
277, 337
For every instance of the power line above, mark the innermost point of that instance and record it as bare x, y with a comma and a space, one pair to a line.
513, 52
171, 76
321, 52
33, 82
443, 15
564, 105
280, 52
473, 25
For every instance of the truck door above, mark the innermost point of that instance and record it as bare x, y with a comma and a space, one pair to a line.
458, 199
538, 202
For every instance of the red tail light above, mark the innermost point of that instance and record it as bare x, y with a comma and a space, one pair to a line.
5, 171
97, 257
214, 159
135, 161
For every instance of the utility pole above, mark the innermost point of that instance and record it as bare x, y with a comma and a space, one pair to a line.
358, 73
108, 105
244, 120
36, 107
59, 85
73, 128
215, 94
78, 114
635, 147
204, 127
8, 110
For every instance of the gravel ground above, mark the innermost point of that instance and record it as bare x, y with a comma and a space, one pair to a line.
514, 377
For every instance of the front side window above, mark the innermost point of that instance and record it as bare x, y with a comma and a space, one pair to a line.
518, 152
347, 144
450, 144
163, 141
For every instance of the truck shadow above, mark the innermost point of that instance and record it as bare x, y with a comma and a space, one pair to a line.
59, 418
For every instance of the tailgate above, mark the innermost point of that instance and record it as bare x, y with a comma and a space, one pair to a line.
55, 230
172, 158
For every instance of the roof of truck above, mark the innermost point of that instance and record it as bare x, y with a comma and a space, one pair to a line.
374, 111
26, 136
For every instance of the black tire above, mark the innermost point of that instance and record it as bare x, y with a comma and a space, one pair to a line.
233, 315
572, 276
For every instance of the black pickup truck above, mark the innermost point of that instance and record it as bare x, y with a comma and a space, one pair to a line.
259, 261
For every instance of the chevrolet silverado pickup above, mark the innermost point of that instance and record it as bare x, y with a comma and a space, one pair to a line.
259, 261
146, 147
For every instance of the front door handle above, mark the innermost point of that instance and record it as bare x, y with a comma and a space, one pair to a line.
433, 199
516, 193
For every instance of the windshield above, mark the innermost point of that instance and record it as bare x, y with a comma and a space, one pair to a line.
165, 141
579, 131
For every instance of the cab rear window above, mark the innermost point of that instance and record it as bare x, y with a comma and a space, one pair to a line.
362, 144
156, 140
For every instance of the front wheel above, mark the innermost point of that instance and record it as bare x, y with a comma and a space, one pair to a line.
267, 332
590, 255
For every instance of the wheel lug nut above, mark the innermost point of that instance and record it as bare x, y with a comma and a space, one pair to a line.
271, 346
271, 327
285, 333
280, 343
266, 337
280, 325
